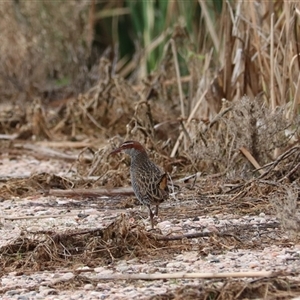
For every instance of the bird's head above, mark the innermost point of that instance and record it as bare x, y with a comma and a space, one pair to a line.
131, 148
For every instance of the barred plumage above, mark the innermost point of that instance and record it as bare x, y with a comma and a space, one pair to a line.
149, 183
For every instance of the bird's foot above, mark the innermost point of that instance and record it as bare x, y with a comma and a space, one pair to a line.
153, 224
155, 230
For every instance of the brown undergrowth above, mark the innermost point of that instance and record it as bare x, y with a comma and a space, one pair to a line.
43, 250
275, 288
122, 239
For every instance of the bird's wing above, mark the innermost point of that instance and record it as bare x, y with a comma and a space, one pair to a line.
163, 183
155, 190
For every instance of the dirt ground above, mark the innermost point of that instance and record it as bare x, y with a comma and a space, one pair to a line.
59, 242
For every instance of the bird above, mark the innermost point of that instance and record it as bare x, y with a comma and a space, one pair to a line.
149, 182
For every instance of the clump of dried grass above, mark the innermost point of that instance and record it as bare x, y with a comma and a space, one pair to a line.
47, 249
246, 123
230, 289
37, 183
285, 200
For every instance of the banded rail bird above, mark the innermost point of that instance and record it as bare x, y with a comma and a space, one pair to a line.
149, 183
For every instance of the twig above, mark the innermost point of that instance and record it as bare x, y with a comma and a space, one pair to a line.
173, 46
92, 119
50, 152
36, 217
272, 63
156, 276
210, 25
8, 136
67, 177
65, 144
238, 187
281, 157
59, 236
218, 117
252, 160
193, 236
178, 78
182, 275
109, 211
184, 179
92, 192
273, 183
271, 166
290, 172
191, 116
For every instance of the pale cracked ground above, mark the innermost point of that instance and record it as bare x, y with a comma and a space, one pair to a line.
35, 286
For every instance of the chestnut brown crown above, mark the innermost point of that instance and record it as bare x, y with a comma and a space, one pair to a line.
128, 146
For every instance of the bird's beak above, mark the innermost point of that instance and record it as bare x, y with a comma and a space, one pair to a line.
115, 151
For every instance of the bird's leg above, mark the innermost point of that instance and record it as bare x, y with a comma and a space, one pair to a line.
151, 216
156, 210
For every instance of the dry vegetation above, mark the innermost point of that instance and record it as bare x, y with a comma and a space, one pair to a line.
233, 117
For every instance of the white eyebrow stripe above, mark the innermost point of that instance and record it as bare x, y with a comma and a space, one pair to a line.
128, 143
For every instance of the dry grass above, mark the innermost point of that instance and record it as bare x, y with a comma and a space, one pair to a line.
40, 42
241, 94
275, 288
